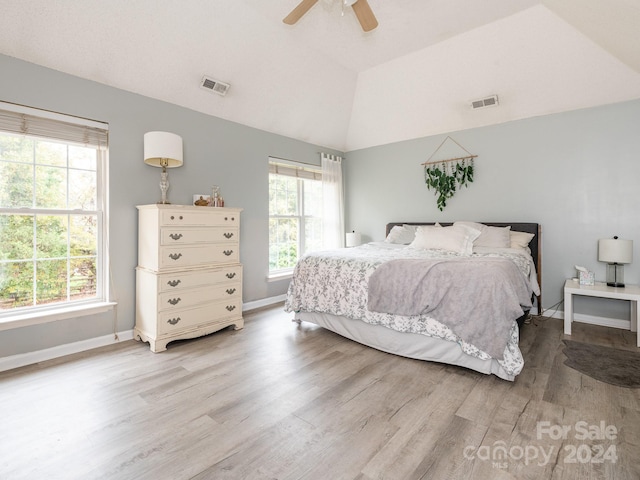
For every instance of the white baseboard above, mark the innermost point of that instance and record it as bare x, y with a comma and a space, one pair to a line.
265, 302
23, 359
593, 320
603, 321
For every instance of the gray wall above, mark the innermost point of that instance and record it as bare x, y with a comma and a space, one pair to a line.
575, 173
215, 151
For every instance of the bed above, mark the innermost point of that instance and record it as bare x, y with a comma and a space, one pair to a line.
399, 296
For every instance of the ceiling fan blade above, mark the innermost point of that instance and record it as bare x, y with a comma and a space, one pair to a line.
302, 8
365, 15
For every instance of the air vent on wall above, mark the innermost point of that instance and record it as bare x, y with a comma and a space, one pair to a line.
491, 101
215, 86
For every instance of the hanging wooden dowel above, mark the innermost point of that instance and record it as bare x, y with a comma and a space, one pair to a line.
437, 162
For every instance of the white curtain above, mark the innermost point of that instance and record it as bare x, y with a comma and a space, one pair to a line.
333, 201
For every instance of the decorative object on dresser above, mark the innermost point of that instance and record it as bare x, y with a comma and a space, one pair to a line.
163, 149
189, 276
201, 200
616, 253
216, 198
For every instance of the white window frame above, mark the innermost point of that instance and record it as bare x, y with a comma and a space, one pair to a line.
71, 130
302, 172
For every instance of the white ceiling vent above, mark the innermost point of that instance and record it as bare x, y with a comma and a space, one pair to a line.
491, 101
215, 86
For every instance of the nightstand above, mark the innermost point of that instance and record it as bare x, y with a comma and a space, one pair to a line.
601, 290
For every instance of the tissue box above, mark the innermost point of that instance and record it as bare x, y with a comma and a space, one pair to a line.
586, 278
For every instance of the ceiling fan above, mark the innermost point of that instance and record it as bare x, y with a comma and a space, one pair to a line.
360, 7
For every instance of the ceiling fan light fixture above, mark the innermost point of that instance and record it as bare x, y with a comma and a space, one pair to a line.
361, 8
347, 4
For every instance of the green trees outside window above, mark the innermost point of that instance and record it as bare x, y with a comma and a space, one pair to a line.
48, 222
295, 219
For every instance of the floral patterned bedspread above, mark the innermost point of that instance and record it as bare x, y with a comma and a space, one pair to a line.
335, 282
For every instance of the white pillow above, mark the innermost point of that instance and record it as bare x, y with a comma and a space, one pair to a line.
521, 240
403, 234
497, 237
457, 238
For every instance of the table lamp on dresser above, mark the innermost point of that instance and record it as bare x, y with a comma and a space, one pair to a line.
163, 149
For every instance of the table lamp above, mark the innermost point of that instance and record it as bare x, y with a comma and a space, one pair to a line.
353, 239
163, 149
616, 253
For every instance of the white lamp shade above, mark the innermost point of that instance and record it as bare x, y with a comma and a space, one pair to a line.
163, 147
615, 250
353, 239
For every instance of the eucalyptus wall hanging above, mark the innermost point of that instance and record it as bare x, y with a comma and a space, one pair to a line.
447, 175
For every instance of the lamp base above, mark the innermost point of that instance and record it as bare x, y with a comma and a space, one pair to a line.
164, 185
615, 275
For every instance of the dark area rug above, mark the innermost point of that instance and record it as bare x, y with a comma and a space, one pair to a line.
606, 364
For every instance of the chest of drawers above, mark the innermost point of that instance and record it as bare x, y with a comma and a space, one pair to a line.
189, 276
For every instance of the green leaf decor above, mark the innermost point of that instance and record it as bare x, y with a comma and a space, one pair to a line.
446, 177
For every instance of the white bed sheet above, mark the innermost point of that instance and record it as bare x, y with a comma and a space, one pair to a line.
410, 345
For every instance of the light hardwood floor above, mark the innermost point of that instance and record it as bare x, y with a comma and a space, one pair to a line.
279, 400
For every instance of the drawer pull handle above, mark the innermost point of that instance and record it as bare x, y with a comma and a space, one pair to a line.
175, 236
174, 301
173, 283
231, 308
227, 252
173, 321
231, 275
228, 235
175, 256
173, 218
231, 291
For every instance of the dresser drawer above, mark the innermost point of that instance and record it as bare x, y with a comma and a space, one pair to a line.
191, 297
184, 280
184, 319
191, 235
189, 256
201, 216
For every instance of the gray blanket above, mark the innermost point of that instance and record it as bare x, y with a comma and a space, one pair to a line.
478, 299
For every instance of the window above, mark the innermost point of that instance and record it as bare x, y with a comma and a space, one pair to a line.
52, 201
295, 213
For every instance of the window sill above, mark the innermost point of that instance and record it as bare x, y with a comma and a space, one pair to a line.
280, 276
37, 318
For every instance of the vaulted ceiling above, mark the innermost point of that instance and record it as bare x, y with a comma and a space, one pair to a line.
324, 80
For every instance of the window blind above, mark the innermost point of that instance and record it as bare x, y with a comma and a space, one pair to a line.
44, 124
293, 170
